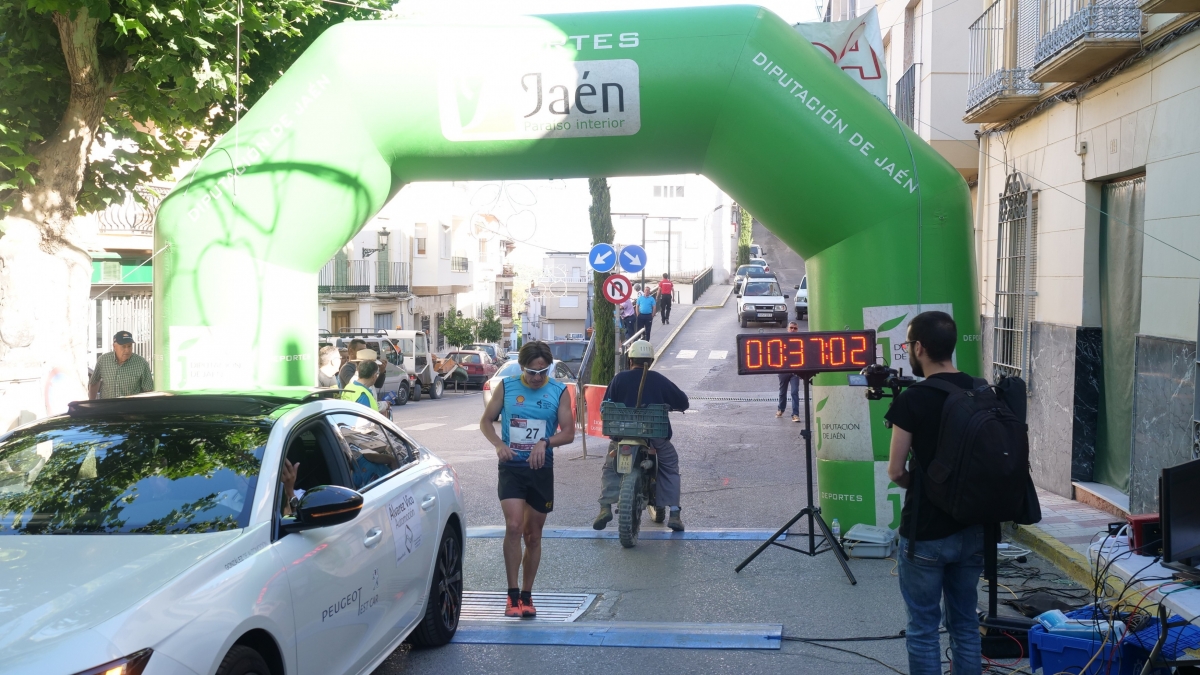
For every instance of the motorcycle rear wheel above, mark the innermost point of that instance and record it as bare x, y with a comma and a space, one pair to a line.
629, 509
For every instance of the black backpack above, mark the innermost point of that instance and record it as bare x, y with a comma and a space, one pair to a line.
980, 472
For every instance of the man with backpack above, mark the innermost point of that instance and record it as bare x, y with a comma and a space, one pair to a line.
940, 557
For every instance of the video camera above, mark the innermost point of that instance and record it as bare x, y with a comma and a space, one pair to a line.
876, 377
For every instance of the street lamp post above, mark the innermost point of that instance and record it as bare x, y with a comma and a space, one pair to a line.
383, 240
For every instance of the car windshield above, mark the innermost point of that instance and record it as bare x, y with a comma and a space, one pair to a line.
568, 351
483, 348
462, 357
746, 269
106, 476
759, 261
761, 288
804, 284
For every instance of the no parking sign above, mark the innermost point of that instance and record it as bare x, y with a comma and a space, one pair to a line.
617, 289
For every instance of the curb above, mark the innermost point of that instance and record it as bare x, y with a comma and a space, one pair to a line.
1070, 561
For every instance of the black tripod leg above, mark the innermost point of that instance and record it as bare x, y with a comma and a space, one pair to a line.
770, 541
836, 547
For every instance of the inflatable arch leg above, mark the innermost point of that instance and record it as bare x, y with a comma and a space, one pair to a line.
731, 92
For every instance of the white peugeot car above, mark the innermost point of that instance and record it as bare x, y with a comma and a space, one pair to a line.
155, 535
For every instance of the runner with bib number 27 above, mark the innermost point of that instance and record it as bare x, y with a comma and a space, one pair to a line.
535, 416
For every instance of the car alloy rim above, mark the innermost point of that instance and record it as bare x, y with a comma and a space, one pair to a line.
449, 582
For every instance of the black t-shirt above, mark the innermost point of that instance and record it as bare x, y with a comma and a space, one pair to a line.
918, 410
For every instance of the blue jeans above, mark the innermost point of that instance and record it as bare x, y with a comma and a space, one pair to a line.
788, 381
943, 569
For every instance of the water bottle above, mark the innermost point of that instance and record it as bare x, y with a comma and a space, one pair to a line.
837, 529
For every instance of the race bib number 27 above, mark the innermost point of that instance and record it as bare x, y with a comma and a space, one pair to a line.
523, 434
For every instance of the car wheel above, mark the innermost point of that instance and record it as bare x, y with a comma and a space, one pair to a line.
416, 393
402, 394
242, 660
742, 321
437, 388
445, 595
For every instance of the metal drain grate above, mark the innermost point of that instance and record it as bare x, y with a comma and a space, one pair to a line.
551, 607
736, 398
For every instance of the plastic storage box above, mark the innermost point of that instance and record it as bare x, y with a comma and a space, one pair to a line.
1061, 653
647, 422
869, 541
1180, 640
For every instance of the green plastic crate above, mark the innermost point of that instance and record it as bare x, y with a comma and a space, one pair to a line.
646, 422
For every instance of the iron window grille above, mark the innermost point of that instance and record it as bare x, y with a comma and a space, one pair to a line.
1016, 272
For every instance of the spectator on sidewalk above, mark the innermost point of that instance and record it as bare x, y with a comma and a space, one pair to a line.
789, 381
327, 367
666, 289
645, 313
940, 580
348, 371
628, 316
120, 372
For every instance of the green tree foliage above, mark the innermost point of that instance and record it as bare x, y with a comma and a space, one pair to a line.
159, 79
744, 236
604, 333
490, 329
458, 330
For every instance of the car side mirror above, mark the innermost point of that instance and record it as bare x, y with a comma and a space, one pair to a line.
786, 297
797, 287
325, 505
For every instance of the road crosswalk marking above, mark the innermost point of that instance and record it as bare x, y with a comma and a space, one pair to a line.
423, 427
686, 354
469, 427
718, 354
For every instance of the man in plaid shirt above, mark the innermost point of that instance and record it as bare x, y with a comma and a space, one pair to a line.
120, 372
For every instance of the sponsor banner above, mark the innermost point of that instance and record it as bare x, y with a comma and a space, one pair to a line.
203, 357
405, 520
549, 98
841, 423
855, 46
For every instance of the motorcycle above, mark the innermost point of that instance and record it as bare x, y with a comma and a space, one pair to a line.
636, 461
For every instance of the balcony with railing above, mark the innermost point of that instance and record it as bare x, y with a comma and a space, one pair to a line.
507, 271
504, 310
1080, 38
906, 96
459, 264
1002, 43
344, 278
391, 278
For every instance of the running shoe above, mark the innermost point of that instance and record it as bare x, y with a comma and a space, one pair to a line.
511, 610
779, 413
527, 609
795, 418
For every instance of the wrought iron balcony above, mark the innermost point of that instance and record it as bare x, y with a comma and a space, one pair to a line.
1001, 53
391, 278
459, 264
132, 216
1081, 38
504, 310
344, 277
507, 271
906, 96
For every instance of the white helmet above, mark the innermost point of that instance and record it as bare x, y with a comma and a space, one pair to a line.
641, 349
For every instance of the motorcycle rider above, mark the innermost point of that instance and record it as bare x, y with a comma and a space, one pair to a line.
657, 389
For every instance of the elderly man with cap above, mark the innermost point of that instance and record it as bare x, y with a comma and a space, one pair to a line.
120, 372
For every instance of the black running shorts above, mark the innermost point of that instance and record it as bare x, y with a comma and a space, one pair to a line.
522, 482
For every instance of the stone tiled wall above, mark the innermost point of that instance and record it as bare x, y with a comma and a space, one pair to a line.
1087, 402
1164, 390
1051, 380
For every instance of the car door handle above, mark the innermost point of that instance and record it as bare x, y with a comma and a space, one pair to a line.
373, 537
428, 502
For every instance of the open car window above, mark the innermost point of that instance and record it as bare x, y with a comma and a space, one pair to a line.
368, 450
182, 475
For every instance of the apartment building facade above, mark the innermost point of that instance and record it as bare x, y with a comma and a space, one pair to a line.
1088, 231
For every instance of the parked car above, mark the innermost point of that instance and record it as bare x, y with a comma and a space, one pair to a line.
761, 300
493, 351
478, 364
397, 379
748, 270
511, 369
569, 352
802, 298
756, 251
153, 534
405, 348
512, 356
760, 261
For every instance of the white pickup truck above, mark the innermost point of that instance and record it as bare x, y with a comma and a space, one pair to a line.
760, 300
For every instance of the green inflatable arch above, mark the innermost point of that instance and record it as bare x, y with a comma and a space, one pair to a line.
732, 92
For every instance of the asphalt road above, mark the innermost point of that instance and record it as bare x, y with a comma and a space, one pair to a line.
741, 467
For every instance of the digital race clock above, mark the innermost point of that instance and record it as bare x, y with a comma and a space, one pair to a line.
828, 351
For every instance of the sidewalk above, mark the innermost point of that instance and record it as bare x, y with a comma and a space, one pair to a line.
1063, 536
661, 336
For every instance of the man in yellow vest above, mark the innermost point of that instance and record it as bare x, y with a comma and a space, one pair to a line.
359, 389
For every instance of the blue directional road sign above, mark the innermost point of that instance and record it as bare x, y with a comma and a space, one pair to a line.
633, 258
603, 257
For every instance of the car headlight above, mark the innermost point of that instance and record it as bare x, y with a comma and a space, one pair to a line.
780, 308
133, 664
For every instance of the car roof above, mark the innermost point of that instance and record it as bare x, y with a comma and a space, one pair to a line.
254, 403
